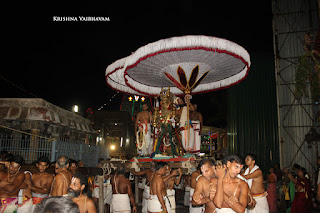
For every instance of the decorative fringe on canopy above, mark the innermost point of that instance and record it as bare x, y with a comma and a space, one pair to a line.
115, 77
143, 71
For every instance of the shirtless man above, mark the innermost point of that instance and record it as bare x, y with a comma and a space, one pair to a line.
77, 185
62, 180
170, 182
254, 177
143, 123
10, 183
146, 192
73, 166
231, 192
187, 139
41, 181
193, 182
122, 194
201, 193
197, 123
158, 201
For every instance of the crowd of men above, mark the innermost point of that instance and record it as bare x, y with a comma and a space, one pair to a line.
215, 186
233, 184
39, 192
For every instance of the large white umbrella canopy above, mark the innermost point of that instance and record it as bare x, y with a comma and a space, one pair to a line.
208, 63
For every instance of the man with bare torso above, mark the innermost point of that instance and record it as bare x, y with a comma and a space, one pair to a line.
231, 193
73, 166
201, 195
122, 194
41, 181
62, 180
146, 192
193, 182
143, 131
77, 185
158, 201
170, 181
10, 184
254, 176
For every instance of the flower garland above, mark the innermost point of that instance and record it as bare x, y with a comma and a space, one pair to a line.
143, 141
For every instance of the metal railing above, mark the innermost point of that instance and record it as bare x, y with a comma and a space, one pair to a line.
31, 147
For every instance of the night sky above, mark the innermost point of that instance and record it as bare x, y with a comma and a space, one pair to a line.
64, 62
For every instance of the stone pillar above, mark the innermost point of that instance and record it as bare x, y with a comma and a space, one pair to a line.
101, 193
34, 144
53, 143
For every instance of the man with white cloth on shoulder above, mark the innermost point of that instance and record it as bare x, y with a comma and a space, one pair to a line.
254, 177
158, 201
122, 194
231, 193
148, 173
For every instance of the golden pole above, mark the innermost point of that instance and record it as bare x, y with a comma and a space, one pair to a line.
187, 93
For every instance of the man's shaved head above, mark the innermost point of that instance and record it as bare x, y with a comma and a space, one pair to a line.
62, 162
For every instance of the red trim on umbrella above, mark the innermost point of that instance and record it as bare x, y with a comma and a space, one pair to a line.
107, 77
183, 49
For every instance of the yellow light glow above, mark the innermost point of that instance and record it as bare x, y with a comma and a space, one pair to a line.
142, 99
75, 108
112, 147
130, 98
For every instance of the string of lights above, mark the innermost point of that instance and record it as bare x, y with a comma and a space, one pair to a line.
134, 98
110, 100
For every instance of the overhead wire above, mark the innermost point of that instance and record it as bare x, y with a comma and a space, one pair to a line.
19, 87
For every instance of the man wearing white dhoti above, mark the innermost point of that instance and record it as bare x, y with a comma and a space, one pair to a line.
254, 176
143, 131
197, 123
158, 200
170, 183
154, 205
122, 194
107, 192
148, 173
186, 129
